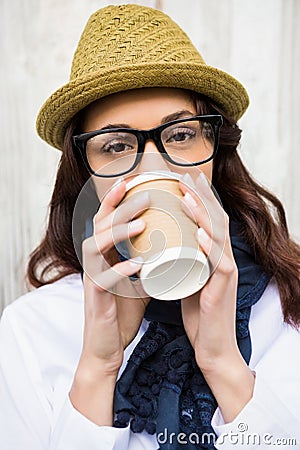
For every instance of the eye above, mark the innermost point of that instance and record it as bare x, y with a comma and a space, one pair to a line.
112, 143
179, 135
116, 147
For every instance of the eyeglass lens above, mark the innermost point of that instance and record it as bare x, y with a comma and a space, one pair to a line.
186, 142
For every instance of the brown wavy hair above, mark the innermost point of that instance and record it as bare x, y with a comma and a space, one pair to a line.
261, 214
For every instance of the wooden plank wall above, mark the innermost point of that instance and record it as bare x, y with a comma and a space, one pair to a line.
258, 42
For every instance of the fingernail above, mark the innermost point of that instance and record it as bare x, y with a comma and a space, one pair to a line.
202, 235
142, 197
137, 224
187, 179
119, 181
202, 179
189, 199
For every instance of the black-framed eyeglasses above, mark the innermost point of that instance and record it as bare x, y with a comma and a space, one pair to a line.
186, 142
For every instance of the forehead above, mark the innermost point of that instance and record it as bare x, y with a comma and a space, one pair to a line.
138, 108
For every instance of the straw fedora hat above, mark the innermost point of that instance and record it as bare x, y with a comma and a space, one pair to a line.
128, 47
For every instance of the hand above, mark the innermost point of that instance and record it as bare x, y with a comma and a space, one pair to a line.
114, 305
209, 315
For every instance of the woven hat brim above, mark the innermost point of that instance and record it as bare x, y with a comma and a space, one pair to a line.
58, 110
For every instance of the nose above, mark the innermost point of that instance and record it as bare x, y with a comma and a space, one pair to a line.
152, 159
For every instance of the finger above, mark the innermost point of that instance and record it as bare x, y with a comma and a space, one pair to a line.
208, 215
213, 232
197, 211
186, 184
98, 244
131, 208
105, 281
211, 249
213, 235
204, 240
204, 187
112, 199
109, 238
220, 257
201, 190
194, 199
96, 267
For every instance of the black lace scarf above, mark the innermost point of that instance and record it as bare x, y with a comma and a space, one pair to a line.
162, 390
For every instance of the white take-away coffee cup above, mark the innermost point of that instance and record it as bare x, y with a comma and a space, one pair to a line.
174, 265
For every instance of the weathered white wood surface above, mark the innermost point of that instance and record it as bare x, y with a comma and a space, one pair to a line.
258, 42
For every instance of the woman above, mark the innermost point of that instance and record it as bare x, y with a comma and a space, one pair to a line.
213, 370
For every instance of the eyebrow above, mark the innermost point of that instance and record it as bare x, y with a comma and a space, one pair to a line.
168, 118
177, 115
